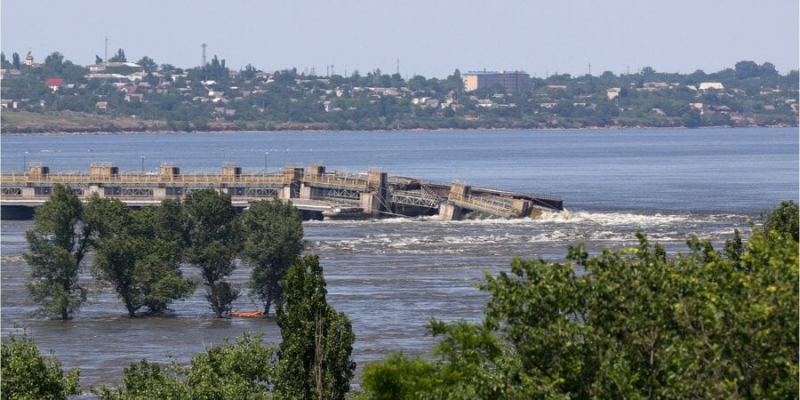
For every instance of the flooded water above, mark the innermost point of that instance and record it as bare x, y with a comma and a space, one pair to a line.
391, 276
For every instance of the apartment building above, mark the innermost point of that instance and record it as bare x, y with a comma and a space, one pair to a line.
511, 81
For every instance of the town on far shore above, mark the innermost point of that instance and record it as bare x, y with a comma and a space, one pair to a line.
117, 95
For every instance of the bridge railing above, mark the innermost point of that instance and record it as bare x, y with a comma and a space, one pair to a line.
144, 178
493, 204
354, 181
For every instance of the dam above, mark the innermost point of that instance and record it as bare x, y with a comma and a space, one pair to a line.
318, 193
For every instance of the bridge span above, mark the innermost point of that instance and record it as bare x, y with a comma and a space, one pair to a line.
318, 193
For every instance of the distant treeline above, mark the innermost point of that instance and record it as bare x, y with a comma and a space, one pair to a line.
145, 96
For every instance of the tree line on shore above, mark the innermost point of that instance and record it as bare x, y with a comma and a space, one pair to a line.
214, 97
627, 323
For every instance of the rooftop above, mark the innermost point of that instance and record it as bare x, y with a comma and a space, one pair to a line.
484, 72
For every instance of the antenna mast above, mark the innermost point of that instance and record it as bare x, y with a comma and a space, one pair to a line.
105, 54
204, 54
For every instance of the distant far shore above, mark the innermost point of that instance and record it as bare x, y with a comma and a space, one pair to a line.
72, 123
323, 131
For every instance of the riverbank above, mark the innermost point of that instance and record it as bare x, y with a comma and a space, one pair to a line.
22, 123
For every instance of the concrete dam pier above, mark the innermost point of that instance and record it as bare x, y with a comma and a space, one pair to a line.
318, 193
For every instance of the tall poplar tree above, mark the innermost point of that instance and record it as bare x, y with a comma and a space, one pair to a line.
314, 355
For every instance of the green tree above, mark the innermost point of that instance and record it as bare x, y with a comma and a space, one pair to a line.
4, 62
631, 324
314, 355
26, 374
97, 59
240, 371
746, 69
783, 220
53, 65
15, 60
691, 118
57, 243
119, 56
135, 257
148, 64
471, 363
273, 233
213, 243
249, 72
767, 69
163, 242
215, 70
399, 377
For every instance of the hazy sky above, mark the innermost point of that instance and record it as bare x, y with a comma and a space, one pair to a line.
431, 38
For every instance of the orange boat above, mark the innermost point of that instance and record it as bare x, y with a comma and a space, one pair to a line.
251, 314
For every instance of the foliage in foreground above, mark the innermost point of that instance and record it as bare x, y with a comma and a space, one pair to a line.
317, 340
629, 323
26, 374
238, 371
312, 362
635, 325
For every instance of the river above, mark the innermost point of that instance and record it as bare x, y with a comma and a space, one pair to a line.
391, 276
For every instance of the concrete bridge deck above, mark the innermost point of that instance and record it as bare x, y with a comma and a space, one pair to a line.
315, 191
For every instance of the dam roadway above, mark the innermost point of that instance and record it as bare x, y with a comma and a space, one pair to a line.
316, 192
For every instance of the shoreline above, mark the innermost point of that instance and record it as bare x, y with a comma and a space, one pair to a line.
323, 131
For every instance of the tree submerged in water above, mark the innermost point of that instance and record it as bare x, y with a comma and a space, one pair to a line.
57, 246
273, 233
138, 253
214, 241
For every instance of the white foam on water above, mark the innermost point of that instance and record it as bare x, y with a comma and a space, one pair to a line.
15, 258
551, 236
614, 219
564, 217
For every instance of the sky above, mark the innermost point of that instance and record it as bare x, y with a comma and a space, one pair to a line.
430, 38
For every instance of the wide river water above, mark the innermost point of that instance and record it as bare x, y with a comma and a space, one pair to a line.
391, 276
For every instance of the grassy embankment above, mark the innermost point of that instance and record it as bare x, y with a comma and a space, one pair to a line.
61, 122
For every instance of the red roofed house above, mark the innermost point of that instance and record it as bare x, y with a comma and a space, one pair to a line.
128, 89
55, 83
